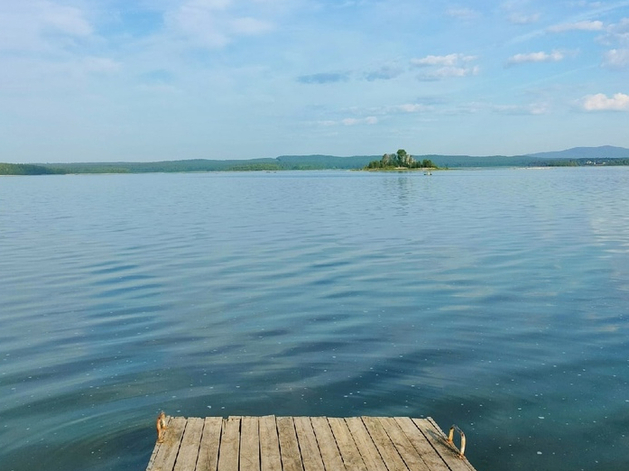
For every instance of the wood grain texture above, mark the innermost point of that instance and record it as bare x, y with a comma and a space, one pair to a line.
270, 458
249, 444
230, 445
289, 446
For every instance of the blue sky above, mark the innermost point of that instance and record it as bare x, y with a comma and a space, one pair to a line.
143, 80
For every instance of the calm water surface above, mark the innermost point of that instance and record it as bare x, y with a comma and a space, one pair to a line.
494, 299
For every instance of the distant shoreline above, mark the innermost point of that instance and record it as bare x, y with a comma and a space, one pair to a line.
577, 157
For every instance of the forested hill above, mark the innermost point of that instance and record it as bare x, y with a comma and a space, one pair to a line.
306, 162
580, 156
603, 152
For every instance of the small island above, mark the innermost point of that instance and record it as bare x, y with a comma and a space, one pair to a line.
401, 160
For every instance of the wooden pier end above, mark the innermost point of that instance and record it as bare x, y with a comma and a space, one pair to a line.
305, 444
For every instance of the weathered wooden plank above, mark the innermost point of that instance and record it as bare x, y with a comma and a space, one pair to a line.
349, 452
270, 459
189, 449
384, 444
210, 441
438, 440
423, 447
168, 450
310, 453
230, 445
365, 444
249, 445
404, 447
330, 453
291, 457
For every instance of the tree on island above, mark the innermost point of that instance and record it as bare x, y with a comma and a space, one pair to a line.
399, 160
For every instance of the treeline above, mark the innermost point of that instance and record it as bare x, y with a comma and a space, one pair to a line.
307, 162
288, 162
401, 159
585, 162
170, 166
25, 169
141, 167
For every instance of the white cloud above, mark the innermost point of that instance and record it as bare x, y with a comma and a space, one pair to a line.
537, 108
617, 37
324, 77
622, 28
63, 19
616, 58
531, 109
33, 25
413, 107
356, 121
516, 12
541, 56
617, 33
198, 20
449, 60
600, 102
451, 65
212, 23
446, 72
578, 26
369, 120
523, 19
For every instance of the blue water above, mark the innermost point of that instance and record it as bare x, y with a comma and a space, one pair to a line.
493, 299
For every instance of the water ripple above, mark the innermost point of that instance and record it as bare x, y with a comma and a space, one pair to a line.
493, 299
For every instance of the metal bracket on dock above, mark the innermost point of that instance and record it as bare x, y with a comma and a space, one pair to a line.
451, 439
161, 427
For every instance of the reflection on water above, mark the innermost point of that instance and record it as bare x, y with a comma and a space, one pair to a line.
493, 299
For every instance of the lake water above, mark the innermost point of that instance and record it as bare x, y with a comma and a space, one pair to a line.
493, 299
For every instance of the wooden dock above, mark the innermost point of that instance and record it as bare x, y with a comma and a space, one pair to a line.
305, 444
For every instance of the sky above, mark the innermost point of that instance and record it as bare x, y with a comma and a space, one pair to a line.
150, 80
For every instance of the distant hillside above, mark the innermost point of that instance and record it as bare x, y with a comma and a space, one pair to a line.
24, 169
578, 156
306, 162
466, 161
602, 152
197, 165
